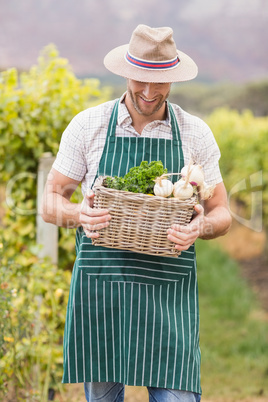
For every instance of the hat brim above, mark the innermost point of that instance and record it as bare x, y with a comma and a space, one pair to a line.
115, 62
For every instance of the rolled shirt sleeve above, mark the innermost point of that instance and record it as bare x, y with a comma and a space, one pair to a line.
199, 145
70, 159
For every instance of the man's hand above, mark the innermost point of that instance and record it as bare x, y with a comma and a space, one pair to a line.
185, 236
212, 221
93, 219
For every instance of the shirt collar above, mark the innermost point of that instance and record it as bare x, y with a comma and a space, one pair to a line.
124, 118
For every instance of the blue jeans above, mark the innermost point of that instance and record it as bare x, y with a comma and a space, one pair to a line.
115, 391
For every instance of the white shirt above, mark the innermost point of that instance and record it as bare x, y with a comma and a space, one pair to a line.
84, 138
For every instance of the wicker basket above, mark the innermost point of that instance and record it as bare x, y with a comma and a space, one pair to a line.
139, 221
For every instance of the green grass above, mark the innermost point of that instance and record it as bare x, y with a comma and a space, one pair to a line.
233, 329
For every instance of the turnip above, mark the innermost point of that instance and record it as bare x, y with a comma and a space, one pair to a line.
194, 174
183, 190
163, 187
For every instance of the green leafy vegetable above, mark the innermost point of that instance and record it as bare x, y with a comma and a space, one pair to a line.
139, 179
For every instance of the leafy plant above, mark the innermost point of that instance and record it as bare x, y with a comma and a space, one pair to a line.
35, 108
32, 316
139, 179
242, 139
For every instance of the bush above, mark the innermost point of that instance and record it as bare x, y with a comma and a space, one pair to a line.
242, 139
35, 108
32, 314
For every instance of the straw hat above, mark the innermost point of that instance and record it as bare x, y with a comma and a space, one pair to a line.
151, 56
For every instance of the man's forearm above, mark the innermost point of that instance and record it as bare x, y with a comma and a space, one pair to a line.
216, 223
59, 211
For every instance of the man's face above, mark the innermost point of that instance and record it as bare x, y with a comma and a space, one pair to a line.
146, 97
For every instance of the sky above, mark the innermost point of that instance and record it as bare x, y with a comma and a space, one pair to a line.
225, 37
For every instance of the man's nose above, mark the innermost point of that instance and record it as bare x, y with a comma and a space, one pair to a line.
149, 90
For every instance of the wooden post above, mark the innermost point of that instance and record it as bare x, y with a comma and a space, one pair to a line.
47, 234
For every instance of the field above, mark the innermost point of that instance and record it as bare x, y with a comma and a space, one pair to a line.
234, 322
233, 283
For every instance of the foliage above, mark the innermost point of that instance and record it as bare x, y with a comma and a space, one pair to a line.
35, 108
32, 315
233, 329
242, 139
139, 179
201, 99
253, 96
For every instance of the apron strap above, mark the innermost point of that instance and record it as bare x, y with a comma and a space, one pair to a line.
113, 120
110, 136
176, 136
174, 124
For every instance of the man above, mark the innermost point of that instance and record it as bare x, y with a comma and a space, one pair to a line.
131, 318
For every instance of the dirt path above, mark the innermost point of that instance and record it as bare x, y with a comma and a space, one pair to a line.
236, 400
140, 394
255, 270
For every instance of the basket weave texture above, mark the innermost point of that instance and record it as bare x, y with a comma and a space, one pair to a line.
139, 221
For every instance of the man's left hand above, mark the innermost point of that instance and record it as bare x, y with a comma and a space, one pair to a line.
185, 236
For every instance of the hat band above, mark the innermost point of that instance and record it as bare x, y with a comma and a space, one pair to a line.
152, 65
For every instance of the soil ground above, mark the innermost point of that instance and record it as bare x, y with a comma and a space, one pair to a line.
140, 394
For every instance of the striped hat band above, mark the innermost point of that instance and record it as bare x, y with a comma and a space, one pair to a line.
152, 65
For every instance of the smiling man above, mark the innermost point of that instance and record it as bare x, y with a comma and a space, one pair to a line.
131, 318
146, 102
147, 98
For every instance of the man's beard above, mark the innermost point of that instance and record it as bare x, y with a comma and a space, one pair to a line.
142, 112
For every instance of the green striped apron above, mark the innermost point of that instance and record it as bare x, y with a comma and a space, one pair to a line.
133, 318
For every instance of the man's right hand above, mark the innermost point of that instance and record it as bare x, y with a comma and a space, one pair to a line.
93, 219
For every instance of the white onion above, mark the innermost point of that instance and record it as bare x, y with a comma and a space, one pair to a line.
196, 175
163, 187
182, 190
206, 191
